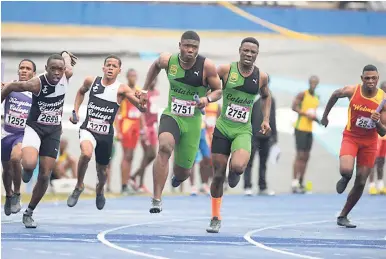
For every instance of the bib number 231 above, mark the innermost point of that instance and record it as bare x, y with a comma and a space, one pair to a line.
237, 113
182, 107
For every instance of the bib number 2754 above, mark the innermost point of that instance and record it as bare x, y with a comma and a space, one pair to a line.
237, 113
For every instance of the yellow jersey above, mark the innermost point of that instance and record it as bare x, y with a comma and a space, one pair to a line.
308, 105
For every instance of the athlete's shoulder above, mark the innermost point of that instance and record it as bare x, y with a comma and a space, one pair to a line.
223, 69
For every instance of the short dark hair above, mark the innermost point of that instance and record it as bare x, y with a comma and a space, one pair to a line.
114, 57
54, 56
250, 40
190, 35
131, 70
30, 61
370, 68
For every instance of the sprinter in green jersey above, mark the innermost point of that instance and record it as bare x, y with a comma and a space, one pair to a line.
242, 82
189, 74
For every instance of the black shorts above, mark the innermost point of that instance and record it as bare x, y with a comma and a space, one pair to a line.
103, 145
169, 124
47, 143
220, 143
303, 140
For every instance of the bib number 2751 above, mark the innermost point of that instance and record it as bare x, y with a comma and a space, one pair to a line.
182, 107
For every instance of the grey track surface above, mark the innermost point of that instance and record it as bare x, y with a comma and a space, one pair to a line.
333, 62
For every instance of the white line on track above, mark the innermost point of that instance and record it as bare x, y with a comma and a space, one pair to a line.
248, 236
101, 236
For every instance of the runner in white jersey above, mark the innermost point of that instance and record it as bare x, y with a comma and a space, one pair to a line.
44, 124
97, 131
16, 109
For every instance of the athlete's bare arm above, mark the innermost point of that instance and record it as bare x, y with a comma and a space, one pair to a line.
161, 62
380, 119
345, 92
296, 104
213, 80
266, 98
125, 91
223, 71
80, 94
69, 61
32, 85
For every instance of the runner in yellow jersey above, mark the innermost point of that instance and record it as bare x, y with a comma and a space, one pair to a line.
305, 104
379, 186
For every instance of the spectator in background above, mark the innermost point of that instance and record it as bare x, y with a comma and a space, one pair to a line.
263, 144
305, 105
64, 162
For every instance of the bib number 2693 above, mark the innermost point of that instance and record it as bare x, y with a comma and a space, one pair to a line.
182, 107
49, 119
237, 113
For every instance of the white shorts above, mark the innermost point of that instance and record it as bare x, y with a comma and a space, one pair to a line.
31, 138
86, 135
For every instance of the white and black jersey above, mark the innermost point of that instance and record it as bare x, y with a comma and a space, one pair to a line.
44, 122
98, 126
47, 107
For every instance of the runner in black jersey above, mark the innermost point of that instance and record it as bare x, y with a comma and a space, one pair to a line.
97, 132
44, 123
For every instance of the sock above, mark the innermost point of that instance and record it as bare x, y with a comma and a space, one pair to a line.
380, 185
301, 181
124, 187
216, 207
30, 209
371, 185
295, 182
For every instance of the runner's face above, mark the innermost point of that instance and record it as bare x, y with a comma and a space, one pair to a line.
189, 49
132, 77
25, 71
370, 79
111, 69
55, 70
248, 53
313, 83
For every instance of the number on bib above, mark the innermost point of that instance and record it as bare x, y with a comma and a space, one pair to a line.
182, 108
49, 118
237, 113
98, 126
365, 123
15, 120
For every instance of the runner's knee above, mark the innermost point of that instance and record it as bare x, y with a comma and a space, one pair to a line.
166, 149
238, 167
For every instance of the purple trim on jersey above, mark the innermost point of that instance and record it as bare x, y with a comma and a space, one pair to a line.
16, 109
7, 144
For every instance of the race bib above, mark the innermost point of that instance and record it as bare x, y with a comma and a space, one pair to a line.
99, 126
134, 113
183, 108
365, 123
237, 113
49, 118
16, 120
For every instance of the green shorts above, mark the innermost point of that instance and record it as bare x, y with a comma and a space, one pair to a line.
227, 140
186, 133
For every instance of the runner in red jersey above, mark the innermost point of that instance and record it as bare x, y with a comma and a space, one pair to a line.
360, 135
149, 138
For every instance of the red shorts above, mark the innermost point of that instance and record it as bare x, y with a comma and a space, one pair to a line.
365, 150
130, 134
151, 135
381, 152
